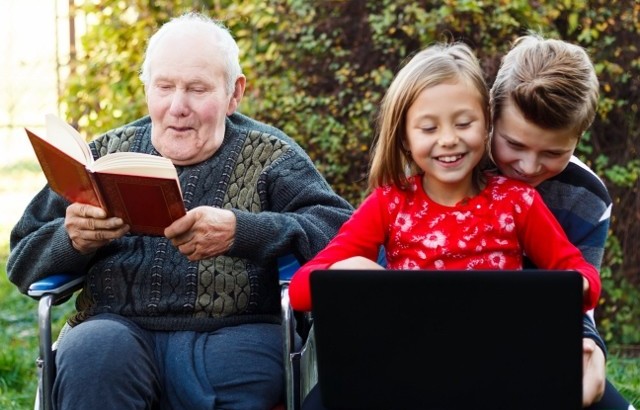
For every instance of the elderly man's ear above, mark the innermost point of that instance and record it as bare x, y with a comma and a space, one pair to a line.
236, 97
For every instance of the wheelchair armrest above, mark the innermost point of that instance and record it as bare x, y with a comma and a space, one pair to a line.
59, 286
287, 266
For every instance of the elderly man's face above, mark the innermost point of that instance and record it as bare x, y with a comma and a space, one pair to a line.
187, 99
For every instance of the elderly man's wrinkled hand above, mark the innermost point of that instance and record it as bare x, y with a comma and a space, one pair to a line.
89, 228
204, 232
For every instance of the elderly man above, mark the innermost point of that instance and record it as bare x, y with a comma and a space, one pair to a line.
188, 320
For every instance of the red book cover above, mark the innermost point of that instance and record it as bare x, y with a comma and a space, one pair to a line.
66, 176
148, 204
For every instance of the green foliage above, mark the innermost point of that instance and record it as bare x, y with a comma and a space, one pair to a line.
617, 321
624, 373
17, 358
624, 176
318, 70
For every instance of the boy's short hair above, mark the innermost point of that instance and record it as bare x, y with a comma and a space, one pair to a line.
553, 83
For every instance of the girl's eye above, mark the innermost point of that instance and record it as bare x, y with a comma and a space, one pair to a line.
463, 124
428, 129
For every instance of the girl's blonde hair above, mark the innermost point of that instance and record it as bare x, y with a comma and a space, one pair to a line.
391, 162
552, 83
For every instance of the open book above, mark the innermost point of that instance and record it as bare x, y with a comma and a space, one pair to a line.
142, 189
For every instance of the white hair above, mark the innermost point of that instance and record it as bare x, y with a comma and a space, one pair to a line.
225, 46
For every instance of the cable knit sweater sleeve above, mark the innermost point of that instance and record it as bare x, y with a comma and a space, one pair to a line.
39, 243
298, 210
303, 212
361, 235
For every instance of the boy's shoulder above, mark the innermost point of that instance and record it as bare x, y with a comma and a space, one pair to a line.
577, 176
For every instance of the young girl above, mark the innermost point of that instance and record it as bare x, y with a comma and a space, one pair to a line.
447, 214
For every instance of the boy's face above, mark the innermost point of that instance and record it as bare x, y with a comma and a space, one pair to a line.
524, 151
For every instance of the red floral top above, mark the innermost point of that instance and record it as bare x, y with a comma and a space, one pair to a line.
489, 231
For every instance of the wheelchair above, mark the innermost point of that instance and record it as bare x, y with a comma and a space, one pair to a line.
299, 365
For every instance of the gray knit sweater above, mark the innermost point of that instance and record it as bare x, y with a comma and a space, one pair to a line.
282, 205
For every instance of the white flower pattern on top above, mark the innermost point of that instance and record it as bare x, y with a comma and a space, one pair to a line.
404, 222
497, 259
434, 240
479, 233
507, 222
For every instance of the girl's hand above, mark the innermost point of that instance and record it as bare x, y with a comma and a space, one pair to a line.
356, 262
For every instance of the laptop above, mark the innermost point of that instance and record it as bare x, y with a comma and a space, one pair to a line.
448, 339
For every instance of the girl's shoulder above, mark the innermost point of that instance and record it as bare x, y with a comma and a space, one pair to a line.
500, 187
413, 185
501, 182
393, 198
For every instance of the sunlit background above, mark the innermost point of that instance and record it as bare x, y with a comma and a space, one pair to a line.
35, 45
35, 40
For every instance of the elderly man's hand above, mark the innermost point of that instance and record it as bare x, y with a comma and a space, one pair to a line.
89, 228
593, 376
204, 232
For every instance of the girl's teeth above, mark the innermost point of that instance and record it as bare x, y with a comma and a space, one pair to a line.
450, 159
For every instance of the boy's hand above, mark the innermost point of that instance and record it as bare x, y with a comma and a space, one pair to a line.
593, 375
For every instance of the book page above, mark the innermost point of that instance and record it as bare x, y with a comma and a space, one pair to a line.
135, 163
67, 139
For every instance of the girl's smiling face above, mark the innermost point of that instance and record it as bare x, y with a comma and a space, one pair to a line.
446, 134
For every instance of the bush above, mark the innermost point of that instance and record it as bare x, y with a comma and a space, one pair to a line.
319, 69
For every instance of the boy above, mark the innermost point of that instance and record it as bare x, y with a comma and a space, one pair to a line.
543, 99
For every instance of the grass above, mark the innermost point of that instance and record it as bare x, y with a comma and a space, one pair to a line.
19, 340
624, 373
